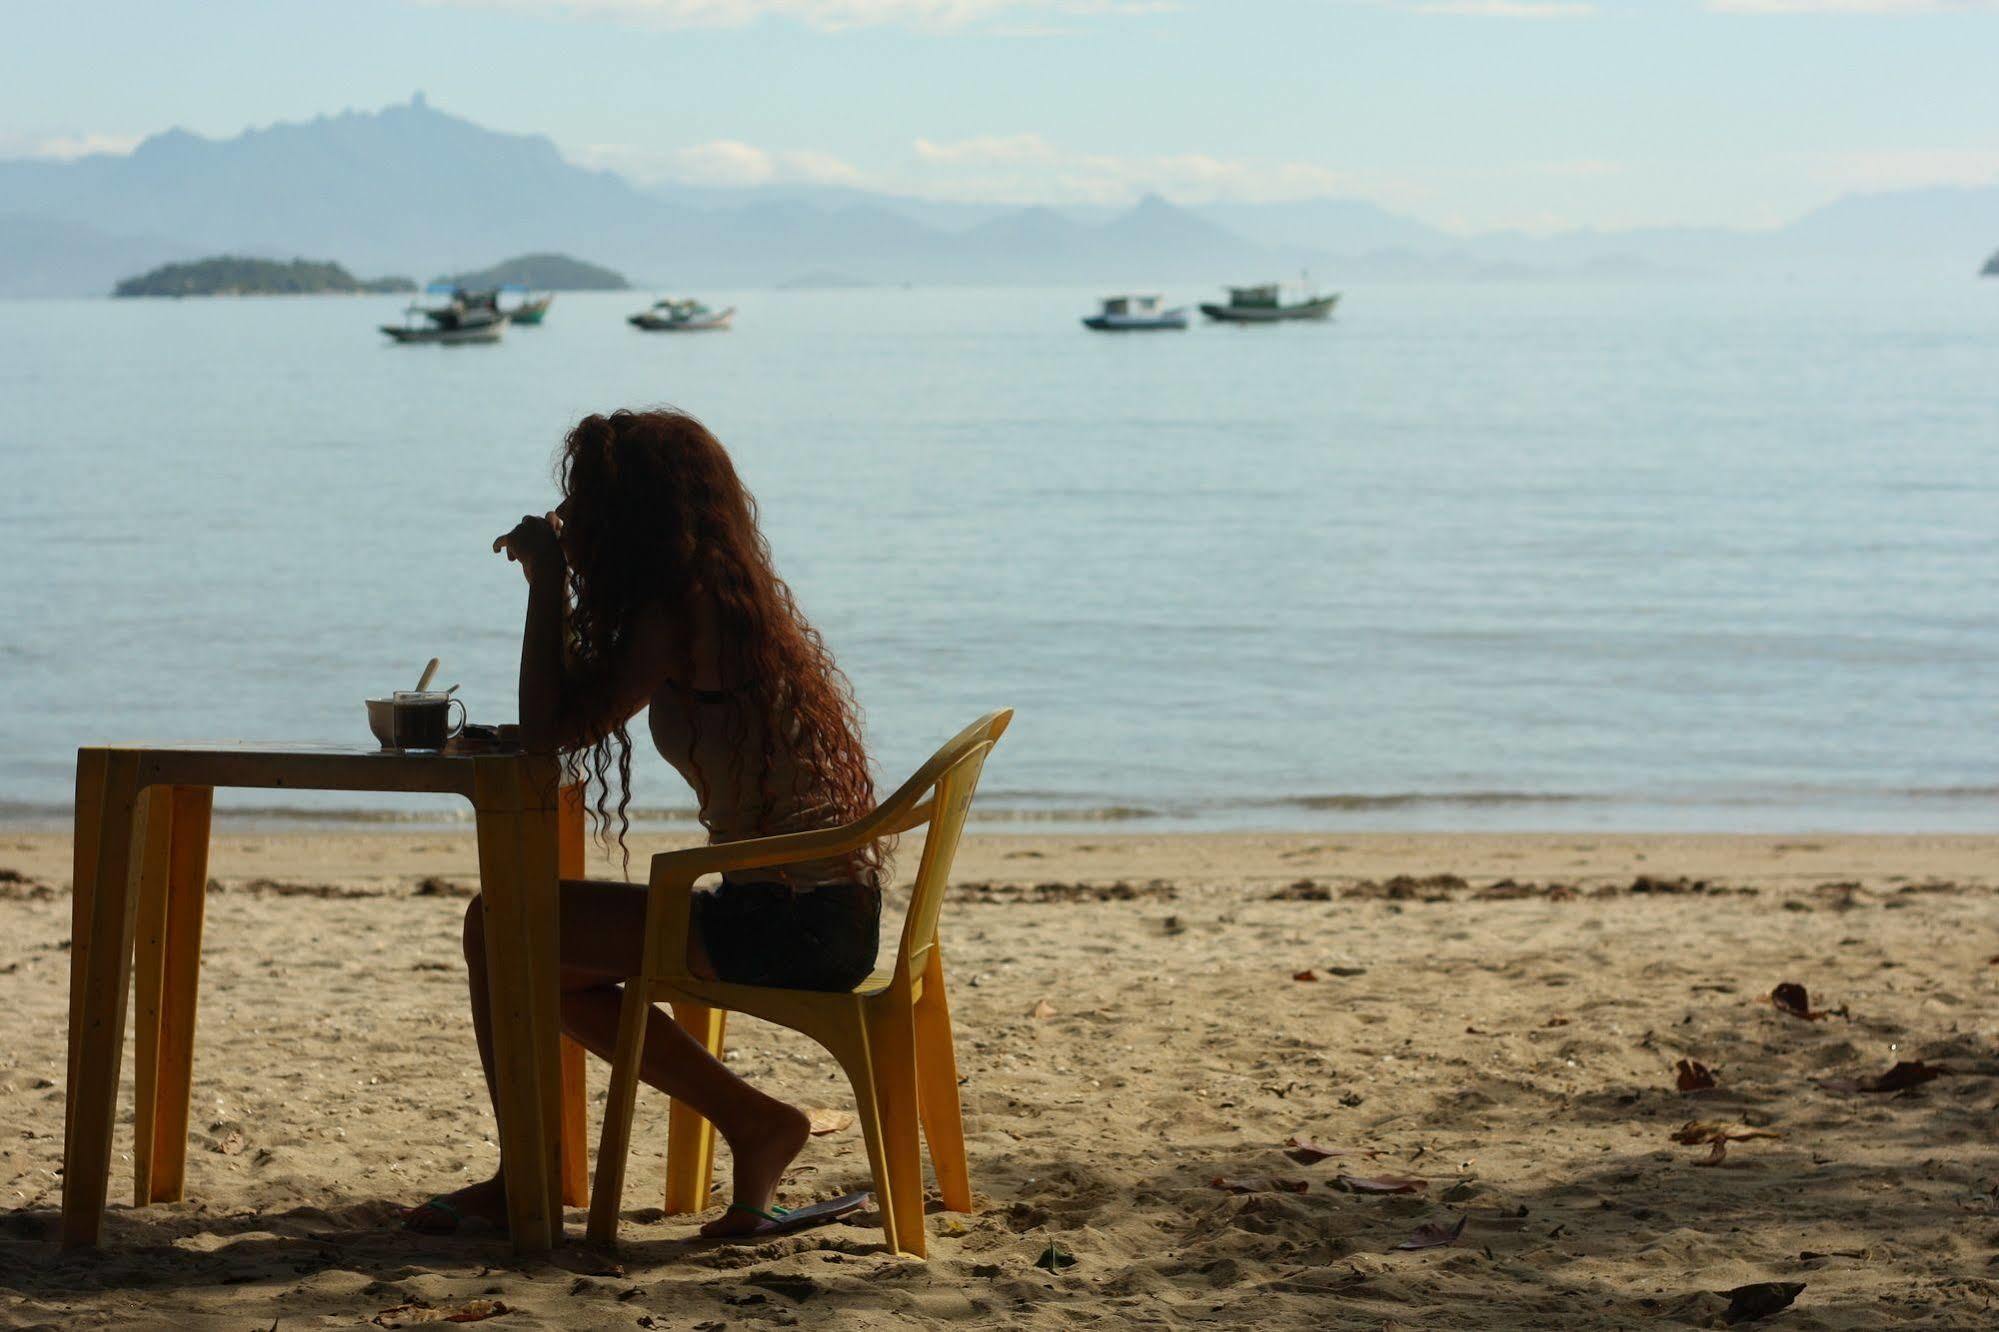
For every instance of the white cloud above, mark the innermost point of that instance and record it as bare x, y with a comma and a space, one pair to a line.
831, 15
731, 162
1852, 6
722, 162
1000, 168
1911, 168
1520, 9
1577, 168
65, 147
1027, 168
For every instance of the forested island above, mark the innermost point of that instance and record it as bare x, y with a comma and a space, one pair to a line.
233, 275
543, 272
1992, 265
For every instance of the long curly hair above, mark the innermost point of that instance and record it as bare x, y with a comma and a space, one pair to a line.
656, 517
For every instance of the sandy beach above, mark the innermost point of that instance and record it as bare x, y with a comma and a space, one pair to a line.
1491, 1021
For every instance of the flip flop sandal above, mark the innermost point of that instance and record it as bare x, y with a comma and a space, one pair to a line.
439, 1205
784, 1220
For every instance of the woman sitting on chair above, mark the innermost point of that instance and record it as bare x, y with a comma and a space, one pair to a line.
650, 586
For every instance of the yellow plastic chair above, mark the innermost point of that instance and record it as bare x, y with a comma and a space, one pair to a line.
891, 1033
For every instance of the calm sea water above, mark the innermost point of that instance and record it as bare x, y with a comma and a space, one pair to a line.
1481, 557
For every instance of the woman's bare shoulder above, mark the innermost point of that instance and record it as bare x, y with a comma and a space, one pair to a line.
686, 647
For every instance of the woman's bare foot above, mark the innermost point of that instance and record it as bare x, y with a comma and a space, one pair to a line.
446, 1214
762, 1147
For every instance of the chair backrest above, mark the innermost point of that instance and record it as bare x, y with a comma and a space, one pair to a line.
949, 778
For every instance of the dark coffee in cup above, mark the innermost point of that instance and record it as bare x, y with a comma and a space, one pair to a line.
422, 721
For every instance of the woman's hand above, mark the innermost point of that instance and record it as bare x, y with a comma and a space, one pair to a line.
533, 543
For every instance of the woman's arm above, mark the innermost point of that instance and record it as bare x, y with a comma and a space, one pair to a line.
558, 710
543, 686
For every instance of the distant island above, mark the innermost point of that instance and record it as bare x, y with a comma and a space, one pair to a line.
543, 272
232, 275
1991, 268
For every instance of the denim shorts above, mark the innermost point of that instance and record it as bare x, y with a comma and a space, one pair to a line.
819, 938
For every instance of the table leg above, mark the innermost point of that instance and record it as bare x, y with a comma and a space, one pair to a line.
172, 1063
518, 883
541, 885
107, 784
149, 955
570, 851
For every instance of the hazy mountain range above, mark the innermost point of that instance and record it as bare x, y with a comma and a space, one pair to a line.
410, 189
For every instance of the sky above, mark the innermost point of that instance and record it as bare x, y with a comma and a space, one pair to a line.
1470, 114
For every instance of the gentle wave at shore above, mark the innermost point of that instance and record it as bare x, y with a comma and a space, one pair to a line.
1939, 809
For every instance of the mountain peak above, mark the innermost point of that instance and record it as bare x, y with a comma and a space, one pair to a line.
170, 143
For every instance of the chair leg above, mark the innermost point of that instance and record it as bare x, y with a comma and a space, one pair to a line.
149, 957
849, 1045
616, 1139
690, 1139
937, 1088
892, 1052
575, 1125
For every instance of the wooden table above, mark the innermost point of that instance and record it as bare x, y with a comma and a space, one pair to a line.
142, 816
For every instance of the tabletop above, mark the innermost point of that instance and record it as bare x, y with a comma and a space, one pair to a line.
326, 767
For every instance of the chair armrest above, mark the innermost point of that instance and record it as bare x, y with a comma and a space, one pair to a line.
687, 865
915, 818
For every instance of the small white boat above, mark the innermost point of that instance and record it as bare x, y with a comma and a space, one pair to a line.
484, 330
1135, 314
467, 317
682, 316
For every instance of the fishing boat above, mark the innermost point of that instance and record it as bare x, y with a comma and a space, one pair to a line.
531, 307
682, 316
1135, 314
1265, 305
465, 317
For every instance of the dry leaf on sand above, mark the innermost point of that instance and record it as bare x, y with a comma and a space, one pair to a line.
1306, 1152
409, 1315
1043, 1011
1904, 1075
1379, 1183
1696, 1131
1054, 1258
1434, 1235
1691, 1075
1717, 1152
824, 1121
1792, 998
1747, 1303
1306, 975
1230, 1184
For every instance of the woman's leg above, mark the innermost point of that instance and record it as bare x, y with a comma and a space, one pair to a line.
603, 928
